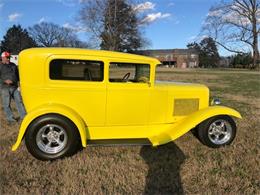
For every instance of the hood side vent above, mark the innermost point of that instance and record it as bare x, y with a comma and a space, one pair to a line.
184, 107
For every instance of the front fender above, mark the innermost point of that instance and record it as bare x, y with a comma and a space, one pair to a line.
174, 131
55, 109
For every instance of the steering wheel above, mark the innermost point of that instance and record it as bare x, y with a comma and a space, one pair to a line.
126, 77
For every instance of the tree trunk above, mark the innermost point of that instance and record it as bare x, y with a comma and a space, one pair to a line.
255, 32
256, 60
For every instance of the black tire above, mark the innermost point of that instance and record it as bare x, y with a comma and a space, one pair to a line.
217, 131
52, 136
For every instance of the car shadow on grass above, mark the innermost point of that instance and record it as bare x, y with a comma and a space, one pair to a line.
164, 164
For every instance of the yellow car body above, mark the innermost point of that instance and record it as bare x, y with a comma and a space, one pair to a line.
102, 110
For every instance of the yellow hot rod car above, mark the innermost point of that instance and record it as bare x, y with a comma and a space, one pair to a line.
78, 97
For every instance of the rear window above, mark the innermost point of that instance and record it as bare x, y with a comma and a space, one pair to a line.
79, 70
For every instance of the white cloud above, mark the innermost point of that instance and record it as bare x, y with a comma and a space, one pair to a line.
258, 16
177, 22
68, 25
192, 38
229, 16
234, 18
42, 20
14, 16
69, 3
215, 13
76, 28
171, 4
144, 6
154, 16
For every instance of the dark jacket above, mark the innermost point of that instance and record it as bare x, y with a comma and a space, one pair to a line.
9, 71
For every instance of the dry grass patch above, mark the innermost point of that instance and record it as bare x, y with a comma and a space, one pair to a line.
185, 166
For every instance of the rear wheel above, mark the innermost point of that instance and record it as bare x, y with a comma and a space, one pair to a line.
217, 131
52, 136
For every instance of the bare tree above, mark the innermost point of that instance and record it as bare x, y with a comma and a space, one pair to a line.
53, 35
113, 23
235, 26
45, 34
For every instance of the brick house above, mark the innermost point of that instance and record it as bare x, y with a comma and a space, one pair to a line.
180, 58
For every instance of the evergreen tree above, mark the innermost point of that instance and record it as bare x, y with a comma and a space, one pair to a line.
208, 52
16, 39
242, 60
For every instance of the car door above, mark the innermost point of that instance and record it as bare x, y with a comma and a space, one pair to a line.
78, 82
128, 94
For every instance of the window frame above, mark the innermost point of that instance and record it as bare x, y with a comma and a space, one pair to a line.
102, 64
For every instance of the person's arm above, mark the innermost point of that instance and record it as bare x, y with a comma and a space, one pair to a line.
1, 65
1, 80
17, 74
18, 77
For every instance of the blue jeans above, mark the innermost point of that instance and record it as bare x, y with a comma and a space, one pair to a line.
7, 94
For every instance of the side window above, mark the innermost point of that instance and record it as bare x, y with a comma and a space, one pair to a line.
129, 72
160, 72
79, 70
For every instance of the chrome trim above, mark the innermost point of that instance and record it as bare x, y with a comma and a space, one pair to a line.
215, 101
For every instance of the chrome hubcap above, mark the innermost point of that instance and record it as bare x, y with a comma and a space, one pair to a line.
220, 132
51, 138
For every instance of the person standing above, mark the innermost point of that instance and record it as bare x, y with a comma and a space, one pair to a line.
9, 89
0, 78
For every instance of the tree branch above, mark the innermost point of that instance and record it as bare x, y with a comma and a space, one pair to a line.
229, 49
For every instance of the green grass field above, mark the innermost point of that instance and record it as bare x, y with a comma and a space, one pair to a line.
185, 166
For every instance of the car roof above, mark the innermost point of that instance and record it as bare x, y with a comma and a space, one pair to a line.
78, 51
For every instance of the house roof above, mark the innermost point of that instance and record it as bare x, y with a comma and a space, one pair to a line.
167, 51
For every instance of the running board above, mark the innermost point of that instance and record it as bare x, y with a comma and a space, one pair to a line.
116, 142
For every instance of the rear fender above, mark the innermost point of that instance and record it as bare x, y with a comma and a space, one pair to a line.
54, 109
178, 129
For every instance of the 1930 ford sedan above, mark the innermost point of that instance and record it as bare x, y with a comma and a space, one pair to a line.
79, 97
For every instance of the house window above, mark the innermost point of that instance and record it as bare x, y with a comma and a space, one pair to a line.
193, 56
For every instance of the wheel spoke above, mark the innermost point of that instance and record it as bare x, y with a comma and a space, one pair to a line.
44, 135
222, 125
49, 144
214, 125
211, 132
58, 141
60, 133
51, 128
224, 132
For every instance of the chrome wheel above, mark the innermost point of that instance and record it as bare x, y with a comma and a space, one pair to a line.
220, 132
51, 138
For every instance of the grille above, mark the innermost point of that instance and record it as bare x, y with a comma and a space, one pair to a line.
185, 106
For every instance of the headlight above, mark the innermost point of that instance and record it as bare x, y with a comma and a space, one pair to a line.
215, 101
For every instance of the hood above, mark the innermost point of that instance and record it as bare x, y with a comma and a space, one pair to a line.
178, 84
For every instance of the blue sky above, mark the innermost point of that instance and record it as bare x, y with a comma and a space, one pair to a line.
170, 23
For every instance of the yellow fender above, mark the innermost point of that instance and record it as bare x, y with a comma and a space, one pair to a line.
174, 131
55, 109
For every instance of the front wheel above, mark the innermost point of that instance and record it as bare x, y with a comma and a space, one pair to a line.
51, 136
217, 131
